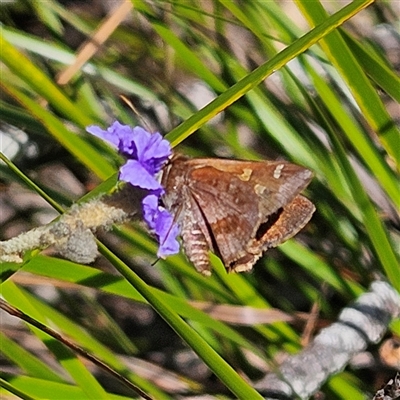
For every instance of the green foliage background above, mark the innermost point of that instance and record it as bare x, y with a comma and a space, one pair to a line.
318, 97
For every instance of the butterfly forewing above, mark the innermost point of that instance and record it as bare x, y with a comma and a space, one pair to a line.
237, 209
222, 202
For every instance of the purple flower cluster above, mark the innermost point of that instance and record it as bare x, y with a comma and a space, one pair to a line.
146, 154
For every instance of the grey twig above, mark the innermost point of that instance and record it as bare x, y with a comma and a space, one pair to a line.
358, 325
72, 233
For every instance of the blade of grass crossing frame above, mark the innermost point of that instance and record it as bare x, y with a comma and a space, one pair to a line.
376, 231
365, 95
82, 377
212, 359
236, 91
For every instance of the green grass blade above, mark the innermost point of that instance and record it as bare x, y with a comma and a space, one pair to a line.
214, 361
67, 359
28, 363
236, 91
11, 388
23, 67
75, 144
365, 95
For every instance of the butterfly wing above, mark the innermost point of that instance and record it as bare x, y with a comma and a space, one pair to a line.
231, 214
237, 209
241, 202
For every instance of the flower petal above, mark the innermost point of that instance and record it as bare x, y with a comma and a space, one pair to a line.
118, 135
150, 209
146, 154
137, 175
167, 231
162, 223
156, 147
140, 138
151, 149
105, 135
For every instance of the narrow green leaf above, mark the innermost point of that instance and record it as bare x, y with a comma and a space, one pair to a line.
72, 142
23, 67
236, 91
378, 71
188, 57
361, 141
213, 360
14, 390
29, 363
67, 359
74, 273
365, 95
43, 389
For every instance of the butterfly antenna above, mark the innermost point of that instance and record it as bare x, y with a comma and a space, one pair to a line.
155, 262
135, 111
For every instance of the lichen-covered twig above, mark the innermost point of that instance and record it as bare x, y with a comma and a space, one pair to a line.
72, 233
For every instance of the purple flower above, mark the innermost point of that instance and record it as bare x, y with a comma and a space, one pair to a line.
162, 222
146, 154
